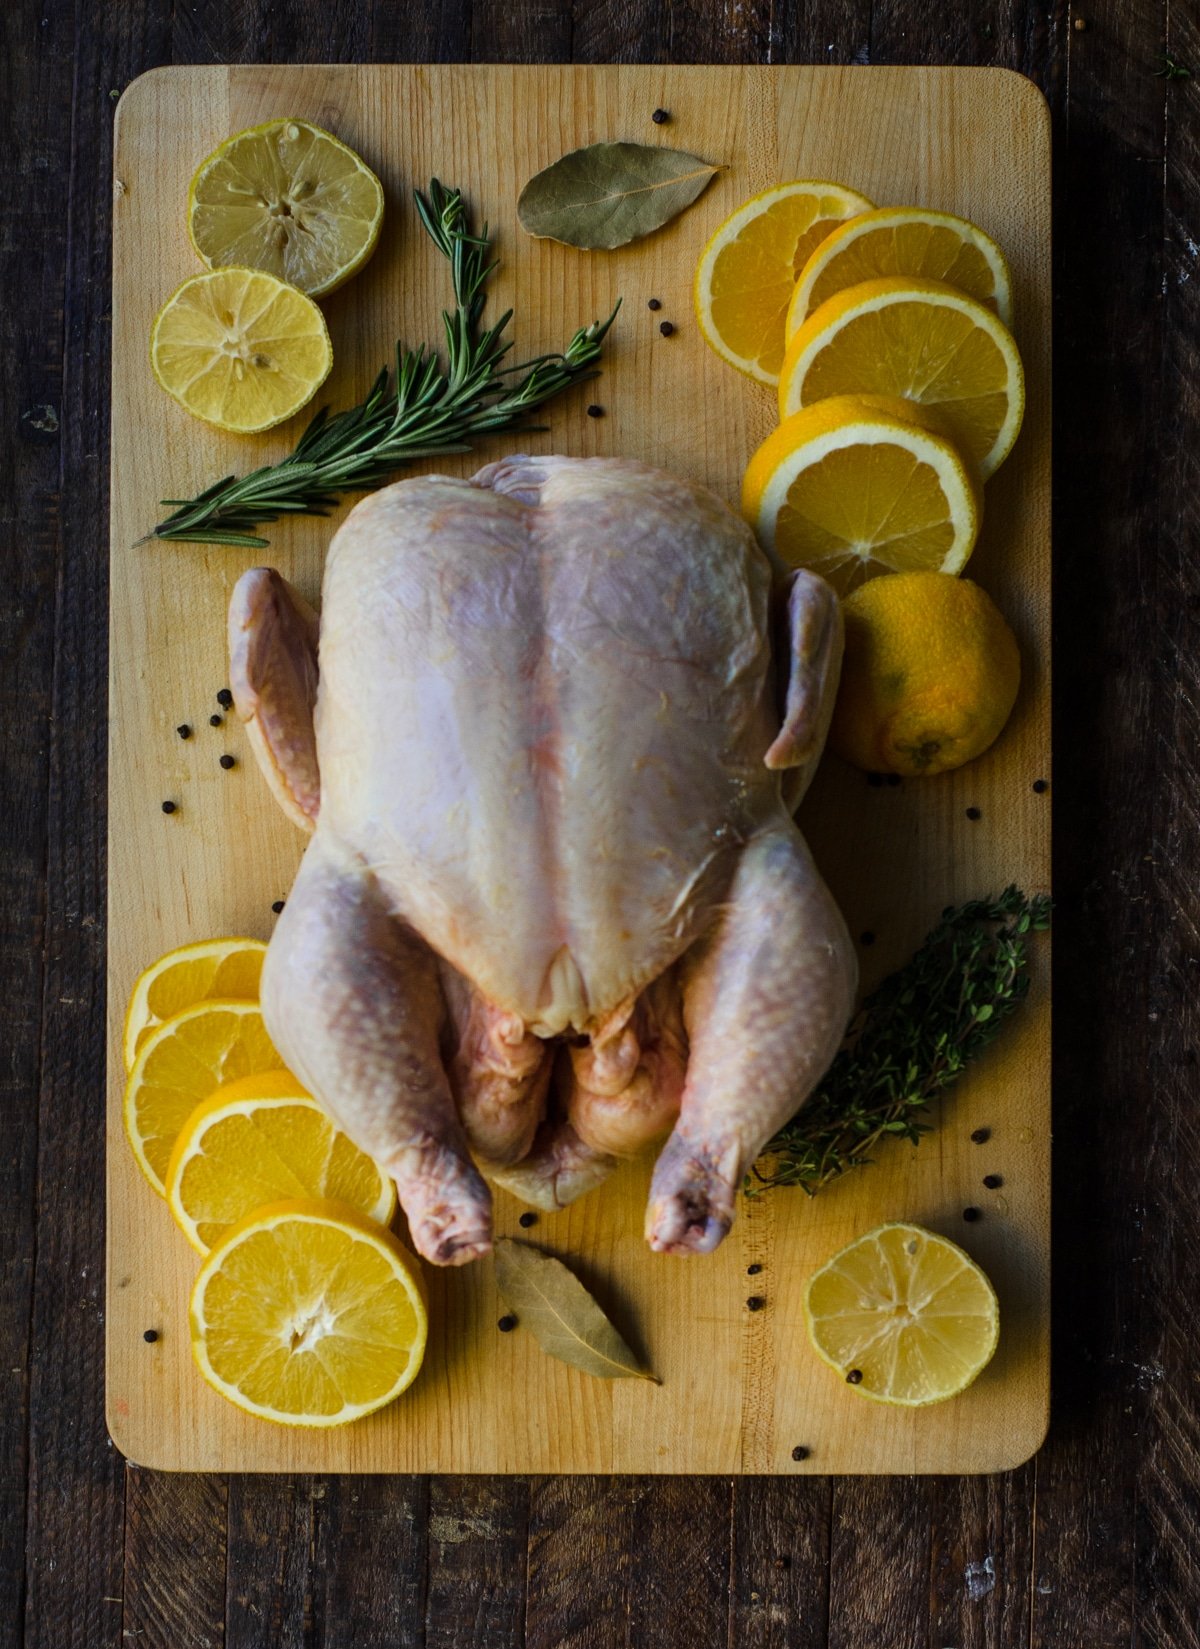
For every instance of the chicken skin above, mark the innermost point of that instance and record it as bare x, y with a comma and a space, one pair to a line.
555, 905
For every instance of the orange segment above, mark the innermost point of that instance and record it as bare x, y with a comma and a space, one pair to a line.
747, 272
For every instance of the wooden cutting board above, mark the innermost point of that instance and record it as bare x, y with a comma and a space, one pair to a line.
740, 1389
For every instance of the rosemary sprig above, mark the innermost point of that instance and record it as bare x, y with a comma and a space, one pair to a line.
421, 410
910, 1041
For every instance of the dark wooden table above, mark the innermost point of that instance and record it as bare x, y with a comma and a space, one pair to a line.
1094, 1542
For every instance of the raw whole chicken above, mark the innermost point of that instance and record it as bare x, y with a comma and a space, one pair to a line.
554, 905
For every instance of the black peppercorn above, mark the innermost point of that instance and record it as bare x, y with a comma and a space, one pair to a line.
278, 905
227, 762
854, 1378
666, 328
595, 412
1040, 787
150, 1336
215, 721
981, 1136
755, 1302
184, 731
753, 1270
993, 1181
971, 1215
893, 779
527, 1219
653, 303
800, 1452
507, 1324
225, 698
168, 807
866, 938
660, 117
875, 780
974, 813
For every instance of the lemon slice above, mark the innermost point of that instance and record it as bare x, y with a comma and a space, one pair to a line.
183, 1061
226, 968
262, 1139
907, 1312
240, 349
748, 271
307, 1314
855, 486
289, 198
923, 341
904, 240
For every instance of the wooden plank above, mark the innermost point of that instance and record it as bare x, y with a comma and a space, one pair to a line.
174, 1561
779, 1587
35, 122
478, 1534
879, 1563
369, 1562
1109, 892
568, 1517
894, 856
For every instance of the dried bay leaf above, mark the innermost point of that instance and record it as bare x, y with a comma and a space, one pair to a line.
548, 1298
608, 194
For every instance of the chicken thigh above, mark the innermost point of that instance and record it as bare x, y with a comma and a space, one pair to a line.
555, 905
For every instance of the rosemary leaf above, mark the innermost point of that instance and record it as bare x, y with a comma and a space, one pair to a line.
419, 409
911, 1040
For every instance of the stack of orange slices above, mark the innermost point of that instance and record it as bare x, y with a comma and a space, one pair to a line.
307, 1310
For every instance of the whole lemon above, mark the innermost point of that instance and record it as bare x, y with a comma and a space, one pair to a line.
930, 675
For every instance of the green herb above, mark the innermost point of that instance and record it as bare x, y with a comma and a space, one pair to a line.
912, 1039
422, 410
1172, 69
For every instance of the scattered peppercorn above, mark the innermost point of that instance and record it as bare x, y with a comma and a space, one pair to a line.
854, 1378
866, 937
800, 1452
1079, 24
654, 303
184, 731
876, 781
215, 721
893, 779
993, 1181
666, 328
971, 1215
753, 1270
227, 762
755, 1302
168, 807
507, 1324
150, 1336
527, 1219
1040, 787
278, 905
225, 698
981, 1136
974, 813
783, 1561
660, 117
595, 412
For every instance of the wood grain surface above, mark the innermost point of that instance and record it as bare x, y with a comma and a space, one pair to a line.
740, 1388
1092, 1544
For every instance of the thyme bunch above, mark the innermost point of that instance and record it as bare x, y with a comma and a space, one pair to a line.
419, 409
912, 1038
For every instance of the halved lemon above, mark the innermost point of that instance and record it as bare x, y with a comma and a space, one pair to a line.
748, 271
921, 340
904, 240
183, 1061
903, 1315
240, 349
307, 1314
855, 486
226, 968
259, 1140
290, 198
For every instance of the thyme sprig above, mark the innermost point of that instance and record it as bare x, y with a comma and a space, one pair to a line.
421, 409
912, 1039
